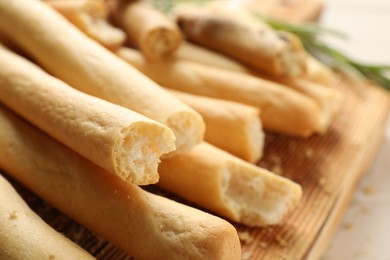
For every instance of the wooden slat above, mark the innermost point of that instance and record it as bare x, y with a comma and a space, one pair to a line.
328, 178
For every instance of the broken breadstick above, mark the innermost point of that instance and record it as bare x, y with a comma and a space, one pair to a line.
317, 72
155, 34
24, 235
146, 226
119, 140
196, 53
231, 126
254, 44
281, 109
90, 16
71, 56
228, 186
329, 99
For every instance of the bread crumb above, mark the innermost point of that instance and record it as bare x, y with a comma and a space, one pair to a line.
275, 159
263, 245
13, 215
323, 183
309, 153
277, 169
282, 241
51, 257
246, 255
282, 256
369, 190
245, 237
348, 226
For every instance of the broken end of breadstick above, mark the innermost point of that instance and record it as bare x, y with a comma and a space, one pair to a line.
229, 186
318, 72
328, 99
231, 126
90, 16
160, 42
188, 127
293, 57
257, 197
138, 151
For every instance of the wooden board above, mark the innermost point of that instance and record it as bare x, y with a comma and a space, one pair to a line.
328, 167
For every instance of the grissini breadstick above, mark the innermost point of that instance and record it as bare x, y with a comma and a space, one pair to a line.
145, 225
282, 109
315, 72
155, 34
263, 48
329, 99
318, 72
24, 235
68, 54
231, 126
90, 16
196, 53
119, 140
228, 186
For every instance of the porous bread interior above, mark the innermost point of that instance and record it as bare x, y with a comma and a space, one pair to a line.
292, 62
188, 128
255, 140
161, 42
257, 200
138, 150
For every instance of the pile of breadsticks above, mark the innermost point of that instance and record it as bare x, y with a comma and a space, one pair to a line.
85, 120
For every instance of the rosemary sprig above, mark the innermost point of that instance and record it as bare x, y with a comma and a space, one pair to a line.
166, 6
309, 35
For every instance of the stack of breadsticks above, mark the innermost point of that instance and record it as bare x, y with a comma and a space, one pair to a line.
84, 120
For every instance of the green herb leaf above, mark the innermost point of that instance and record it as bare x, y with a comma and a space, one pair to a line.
309, 34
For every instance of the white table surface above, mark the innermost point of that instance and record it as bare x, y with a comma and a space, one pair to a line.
365, 230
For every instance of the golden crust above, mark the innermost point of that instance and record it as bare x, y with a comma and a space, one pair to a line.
24, 235
71, 56
119, 140
146, 226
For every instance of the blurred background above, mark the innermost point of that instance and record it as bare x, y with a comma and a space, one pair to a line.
365, 230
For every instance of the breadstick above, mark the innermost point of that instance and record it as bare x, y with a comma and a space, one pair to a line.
233, 127
71, 56
318, 72
24, 235
90, 16
315, 72
329, 99
275, 52
196, 53
150, 30
119, 140
282, 109
228, 186
145, 225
